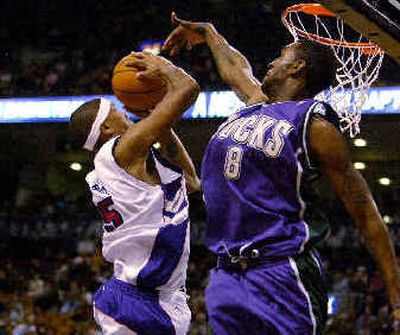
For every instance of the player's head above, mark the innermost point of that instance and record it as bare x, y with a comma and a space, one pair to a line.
309, 65
96, 121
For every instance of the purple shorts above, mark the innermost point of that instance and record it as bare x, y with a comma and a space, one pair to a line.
121, 308
274, 298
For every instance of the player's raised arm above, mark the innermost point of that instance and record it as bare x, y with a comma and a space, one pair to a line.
232, 66
330, 150
182, 91
174, 151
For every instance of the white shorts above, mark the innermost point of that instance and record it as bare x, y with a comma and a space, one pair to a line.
120, 308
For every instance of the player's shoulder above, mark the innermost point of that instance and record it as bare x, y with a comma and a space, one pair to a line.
107, 149
105, 159
323, 110
250, 108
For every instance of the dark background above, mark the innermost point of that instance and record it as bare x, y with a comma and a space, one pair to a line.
69, 48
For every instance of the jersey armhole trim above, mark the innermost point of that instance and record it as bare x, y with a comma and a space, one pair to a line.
124, 172
305, 136
165, 162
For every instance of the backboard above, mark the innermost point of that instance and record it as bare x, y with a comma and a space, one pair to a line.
377, 20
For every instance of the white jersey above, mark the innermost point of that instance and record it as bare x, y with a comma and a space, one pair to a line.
146, 227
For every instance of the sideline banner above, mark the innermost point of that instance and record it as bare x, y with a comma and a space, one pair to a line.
212, 104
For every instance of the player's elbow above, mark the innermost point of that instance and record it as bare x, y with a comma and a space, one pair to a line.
193, 184
190, 89
194, 88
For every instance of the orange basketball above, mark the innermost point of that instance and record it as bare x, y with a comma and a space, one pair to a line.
138, 94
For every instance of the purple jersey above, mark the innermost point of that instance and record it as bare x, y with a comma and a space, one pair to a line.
251, 176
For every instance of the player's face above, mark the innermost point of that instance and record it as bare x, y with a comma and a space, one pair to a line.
119, 121
278, 71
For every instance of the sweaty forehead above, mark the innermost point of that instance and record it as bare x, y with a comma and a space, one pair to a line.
290, 50
290, 47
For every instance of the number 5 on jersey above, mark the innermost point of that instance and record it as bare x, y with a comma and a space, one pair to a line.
111, 217
233, 161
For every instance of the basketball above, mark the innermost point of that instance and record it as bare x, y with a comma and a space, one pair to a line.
137, 94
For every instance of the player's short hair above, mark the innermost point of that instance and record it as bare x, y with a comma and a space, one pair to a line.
81, 120
321, 65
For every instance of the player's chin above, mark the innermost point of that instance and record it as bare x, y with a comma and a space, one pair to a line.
265, 86
141, 114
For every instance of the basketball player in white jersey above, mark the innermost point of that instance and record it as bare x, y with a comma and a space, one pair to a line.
142, 196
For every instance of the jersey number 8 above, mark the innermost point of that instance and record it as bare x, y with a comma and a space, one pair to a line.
233, 161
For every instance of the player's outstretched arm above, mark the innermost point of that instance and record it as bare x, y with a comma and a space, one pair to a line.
182, 91
233, 67
329, 148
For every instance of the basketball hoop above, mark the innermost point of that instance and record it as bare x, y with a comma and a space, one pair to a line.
359, 59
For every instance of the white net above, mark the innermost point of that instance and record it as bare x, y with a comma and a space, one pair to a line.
359, 63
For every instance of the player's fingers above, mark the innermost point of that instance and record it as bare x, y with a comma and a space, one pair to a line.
175, 50
173, 18
174, 37
138, 63
150, 73
137, 54
176, 47
142, 56
178, 21
169, 41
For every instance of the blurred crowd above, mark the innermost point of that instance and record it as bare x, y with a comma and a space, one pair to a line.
59, 56
51, 266
50, 263
47, 53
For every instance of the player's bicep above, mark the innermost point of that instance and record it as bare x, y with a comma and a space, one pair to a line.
136, 141
333, 158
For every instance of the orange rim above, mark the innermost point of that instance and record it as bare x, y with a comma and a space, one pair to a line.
368, 48
310, 9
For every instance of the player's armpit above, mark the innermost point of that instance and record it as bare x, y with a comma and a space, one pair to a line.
257, 97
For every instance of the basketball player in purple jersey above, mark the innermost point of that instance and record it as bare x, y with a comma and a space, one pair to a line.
268, 279
142, 196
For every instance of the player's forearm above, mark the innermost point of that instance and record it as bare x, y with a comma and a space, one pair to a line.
379, 244
361, 206
330, 150
232, 66
182, 91
173, 150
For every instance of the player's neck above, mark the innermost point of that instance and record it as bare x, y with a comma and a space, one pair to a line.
289, 91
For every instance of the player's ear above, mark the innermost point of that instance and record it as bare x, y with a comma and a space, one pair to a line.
106, 128
298, 67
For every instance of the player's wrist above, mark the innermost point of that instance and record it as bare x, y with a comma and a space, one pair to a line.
177, 78
210, 33
395, 306
169, 71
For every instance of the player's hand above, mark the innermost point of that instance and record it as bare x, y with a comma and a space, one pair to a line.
150, 66
396, 321
185, 35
